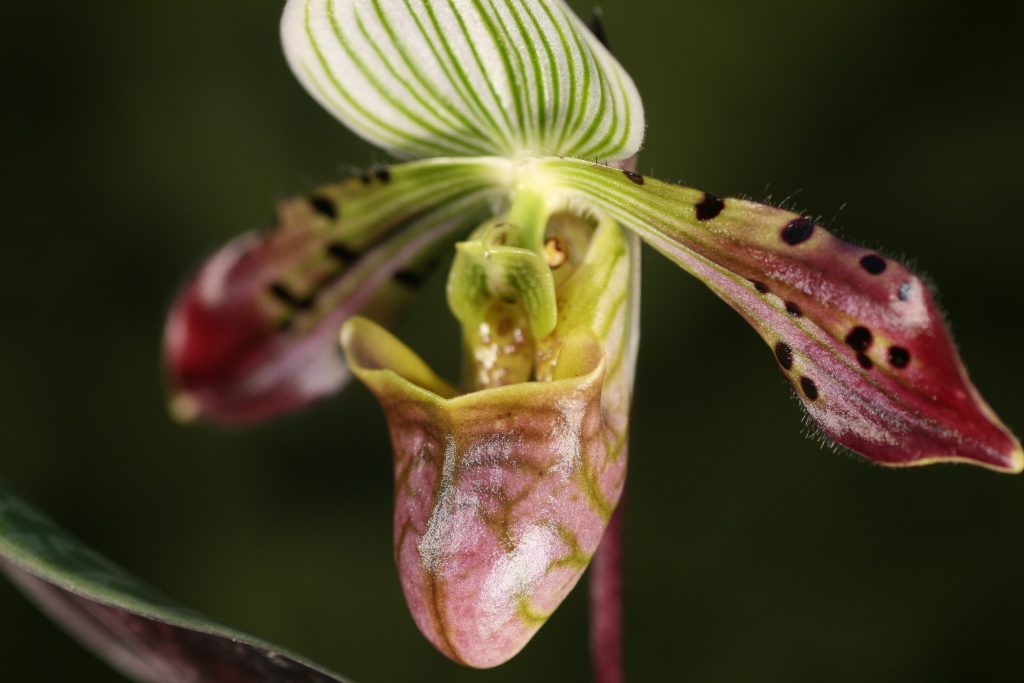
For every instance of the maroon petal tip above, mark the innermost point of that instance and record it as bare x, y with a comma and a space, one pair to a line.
228, 357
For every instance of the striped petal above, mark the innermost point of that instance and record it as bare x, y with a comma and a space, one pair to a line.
254, 332
858, 335
465, 77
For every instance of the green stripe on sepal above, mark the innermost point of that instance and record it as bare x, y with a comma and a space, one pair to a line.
465, 77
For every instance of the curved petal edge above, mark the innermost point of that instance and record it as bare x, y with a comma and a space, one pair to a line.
500, 500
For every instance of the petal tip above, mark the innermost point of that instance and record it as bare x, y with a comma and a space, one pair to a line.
1016, 461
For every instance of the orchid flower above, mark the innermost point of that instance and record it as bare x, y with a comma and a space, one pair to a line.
517, 134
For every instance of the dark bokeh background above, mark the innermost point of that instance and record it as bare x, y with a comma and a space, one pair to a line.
138, 136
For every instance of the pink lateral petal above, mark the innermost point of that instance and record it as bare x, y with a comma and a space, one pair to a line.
859, 337
227, 357
254, 333
857, 334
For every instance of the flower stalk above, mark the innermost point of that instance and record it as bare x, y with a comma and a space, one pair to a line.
607, 603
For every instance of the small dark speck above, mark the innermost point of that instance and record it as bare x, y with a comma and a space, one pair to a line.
810, 388
634, 176
874, 264
324, 206
410, 278
286, 296
864, 361
797, 231
760, 286
859, 339
383, 174
793, 309
784, 354
709, 207
899, 357
344, 254
904, 291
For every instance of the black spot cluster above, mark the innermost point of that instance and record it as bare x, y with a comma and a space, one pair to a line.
784, 354
859, 339
792, 308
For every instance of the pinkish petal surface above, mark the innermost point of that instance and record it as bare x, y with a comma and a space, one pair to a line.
254, 333
857, 334
502, 495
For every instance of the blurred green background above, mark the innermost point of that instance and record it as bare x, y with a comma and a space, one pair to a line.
138, 136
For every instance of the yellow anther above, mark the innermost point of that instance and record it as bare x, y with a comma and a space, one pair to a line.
555, 253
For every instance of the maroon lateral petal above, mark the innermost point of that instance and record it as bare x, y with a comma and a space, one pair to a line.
227, 352
857, 334
859, 337
254, 333
872, 359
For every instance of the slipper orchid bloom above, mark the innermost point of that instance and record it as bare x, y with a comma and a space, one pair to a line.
526, 126
517, 132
